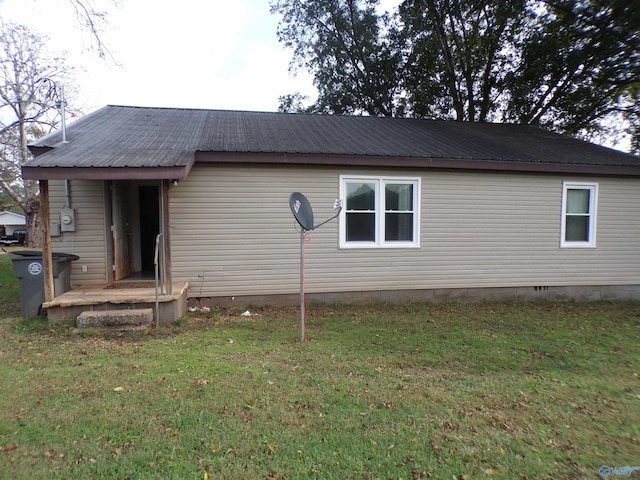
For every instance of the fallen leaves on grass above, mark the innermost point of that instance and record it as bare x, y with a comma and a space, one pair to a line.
449, 426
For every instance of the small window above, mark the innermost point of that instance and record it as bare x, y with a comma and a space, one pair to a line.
380, 212
579, 201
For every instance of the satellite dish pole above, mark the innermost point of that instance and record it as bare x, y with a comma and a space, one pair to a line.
303, 213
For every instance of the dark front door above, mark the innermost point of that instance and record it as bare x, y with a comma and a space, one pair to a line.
149, 225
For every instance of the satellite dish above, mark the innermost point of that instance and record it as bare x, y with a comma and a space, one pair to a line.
303, 213
301, 209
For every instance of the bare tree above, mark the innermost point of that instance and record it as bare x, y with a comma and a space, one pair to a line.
93, 17
29, 102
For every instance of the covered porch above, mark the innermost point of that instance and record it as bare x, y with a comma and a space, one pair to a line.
119, 227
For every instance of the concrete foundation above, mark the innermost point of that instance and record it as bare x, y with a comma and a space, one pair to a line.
515, 294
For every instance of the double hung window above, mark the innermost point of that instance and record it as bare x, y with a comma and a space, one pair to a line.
380, 212
579, 203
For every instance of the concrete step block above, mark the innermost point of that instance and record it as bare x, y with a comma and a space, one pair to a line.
139, 317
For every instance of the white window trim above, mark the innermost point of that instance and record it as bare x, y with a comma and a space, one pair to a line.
593, 214
380, 209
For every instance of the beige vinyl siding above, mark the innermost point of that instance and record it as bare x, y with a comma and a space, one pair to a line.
88, 241
232, 233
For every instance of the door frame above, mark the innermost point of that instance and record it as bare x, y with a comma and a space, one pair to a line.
131, 208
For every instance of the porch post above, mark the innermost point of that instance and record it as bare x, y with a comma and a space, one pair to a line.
47, 262
166, 236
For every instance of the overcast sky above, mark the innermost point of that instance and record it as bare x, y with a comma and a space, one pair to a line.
220, 54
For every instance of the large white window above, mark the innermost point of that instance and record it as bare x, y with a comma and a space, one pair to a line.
380, 212
579, 207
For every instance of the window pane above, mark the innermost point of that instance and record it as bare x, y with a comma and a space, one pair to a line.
578, 201
361, 227
398, 227
361, 196
379, 212
399, 197
577, 228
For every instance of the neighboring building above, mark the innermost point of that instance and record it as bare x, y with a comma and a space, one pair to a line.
11, 221
433, 209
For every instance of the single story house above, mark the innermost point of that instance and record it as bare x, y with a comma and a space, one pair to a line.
11, 221
433, 209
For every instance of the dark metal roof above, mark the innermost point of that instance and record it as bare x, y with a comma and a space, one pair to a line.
137, 142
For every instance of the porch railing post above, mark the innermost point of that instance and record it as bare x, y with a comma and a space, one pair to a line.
156, 265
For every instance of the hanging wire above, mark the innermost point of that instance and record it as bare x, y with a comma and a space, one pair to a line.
299, 229
50, 90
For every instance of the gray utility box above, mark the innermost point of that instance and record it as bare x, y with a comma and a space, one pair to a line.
28, 266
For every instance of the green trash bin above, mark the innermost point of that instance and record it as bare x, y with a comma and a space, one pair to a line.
28, 266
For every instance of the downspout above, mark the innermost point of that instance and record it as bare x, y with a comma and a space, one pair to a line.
67, 194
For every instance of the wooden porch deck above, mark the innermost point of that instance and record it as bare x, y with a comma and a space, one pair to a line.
115, 297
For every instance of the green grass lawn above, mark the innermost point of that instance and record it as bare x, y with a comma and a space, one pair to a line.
493, 390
